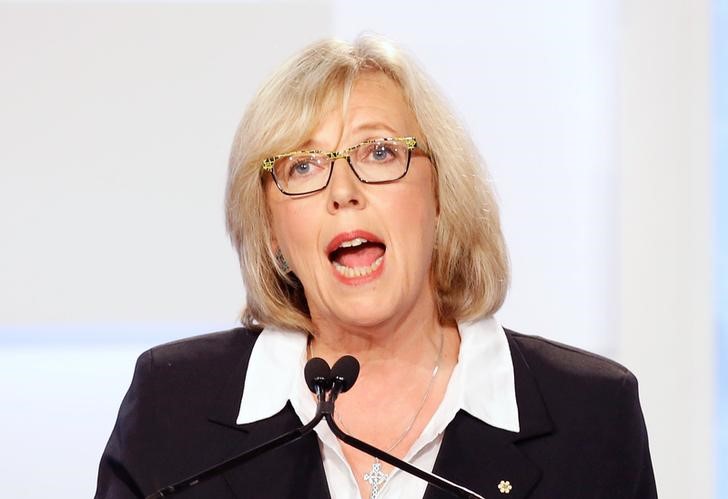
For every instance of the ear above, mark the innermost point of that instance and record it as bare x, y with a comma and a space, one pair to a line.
270, 232
275, 248
274, 243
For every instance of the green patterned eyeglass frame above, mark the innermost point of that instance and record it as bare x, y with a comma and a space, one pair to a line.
268, 163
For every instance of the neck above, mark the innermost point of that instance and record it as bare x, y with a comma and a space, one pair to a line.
408, 340
405, 368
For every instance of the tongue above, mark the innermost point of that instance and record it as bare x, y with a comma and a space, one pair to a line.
360, 256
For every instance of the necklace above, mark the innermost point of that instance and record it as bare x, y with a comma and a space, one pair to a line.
375, 477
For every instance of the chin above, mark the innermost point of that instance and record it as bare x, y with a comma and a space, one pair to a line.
364, 315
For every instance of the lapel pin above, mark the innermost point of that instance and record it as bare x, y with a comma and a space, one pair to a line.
505, 487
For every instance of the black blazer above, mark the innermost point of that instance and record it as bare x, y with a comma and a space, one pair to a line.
582, 431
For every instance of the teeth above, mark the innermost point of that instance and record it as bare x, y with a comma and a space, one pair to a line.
357, 241
352, 272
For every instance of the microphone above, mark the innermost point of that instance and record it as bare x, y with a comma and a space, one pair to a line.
343, 376
318, 378
345, 372
317, 374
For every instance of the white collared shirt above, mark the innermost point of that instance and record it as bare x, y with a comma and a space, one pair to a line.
482, 384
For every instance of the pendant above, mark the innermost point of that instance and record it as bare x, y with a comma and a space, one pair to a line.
375, 478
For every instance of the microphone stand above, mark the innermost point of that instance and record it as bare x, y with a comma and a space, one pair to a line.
327, 411
275, 443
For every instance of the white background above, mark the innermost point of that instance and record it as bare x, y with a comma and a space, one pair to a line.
116, 122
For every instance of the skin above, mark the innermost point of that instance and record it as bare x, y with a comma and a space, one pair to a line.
389, 323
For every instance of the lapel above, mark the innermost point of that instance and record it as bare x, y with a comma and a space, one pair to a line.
479, 456
295, 470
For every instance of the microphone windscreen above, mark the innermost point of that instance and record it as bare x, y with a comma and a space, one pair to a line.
317, 372
346, 370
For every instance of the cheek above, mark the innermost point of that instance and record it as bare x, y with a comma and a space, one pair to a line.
414, 215
418, 203
288, 232
294, 231
421, 198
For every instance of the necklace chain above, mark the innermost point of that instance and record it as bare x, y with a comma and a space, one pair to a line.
376, 477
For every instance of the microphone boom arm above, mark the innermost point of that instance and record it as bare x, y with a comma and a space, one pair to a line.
277, 442
431, 478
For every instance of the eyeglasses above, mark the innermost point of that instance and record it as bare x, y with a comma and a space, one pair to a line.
374, 161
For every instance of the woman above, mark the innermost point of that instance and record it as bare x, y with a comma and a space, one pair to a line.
356, 206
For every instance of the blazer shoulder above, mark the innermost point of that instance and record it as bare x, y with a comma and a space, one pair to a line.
217, 347
197, 364
551, 360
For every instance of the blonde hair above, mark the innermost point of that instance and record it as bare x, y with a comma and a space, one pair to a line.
470, 264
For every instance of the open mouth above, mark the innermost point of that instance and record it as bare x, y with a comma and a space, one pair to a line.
357, 257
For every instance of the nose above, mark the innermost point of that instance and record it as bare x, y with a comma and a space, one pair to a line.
345, 190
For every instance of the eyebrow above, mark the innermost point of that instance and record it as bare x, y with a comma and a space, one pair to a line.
378, 125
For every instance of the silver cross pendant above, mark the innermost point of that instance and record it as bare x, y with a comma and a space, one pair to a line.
375, 478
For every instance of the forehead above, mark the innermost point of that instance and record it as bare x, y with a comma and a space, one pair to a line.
375, 107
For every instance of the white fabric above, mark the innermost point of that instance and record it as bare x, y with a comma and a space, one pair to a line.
482, 384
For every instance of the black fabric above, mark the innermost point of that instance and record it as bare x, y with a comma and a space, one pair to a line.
582, 432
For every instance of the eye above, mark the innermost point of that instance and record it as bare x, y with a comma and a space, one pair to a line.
378, 153
301, 168
298, 167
